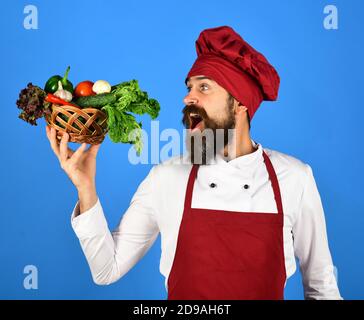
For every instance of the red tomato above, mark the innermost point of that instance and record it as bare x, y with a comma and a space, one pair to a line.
84, 89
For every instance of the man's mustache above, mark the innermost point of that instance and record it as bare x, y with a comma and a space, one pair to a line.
192, 108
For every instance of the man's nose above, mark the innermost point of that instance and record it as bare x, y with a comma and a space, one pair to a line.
190, 98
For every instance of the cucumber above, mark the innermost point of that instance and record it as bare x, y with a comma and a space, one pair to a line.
96, 101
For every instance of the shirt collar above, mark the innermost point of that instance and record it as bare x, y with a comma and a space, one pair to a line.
245, 160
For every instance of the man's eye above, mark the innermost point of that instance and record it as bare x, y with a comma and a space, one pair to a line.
204, 86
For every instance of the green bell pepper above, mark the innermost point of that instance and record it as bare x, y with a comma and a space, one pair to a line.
52, 84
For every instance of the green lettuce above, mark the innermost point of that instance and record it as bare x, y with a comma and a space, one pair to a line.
122, 125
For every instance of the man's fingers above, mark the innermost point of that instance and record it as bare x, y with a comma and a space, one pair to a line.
78, 153
94, 149
64, 147
48, 132
61, 149
53, 142
70, 152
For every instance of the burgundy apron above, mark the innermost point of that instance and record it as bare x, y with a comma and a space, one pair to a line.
229, 255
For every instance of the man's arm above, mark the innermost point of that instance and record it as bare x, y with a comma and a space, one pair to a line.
87, 198
112, 255
311, 244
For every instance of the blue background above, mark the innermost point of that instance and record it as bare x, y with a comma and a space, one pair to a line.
318, 119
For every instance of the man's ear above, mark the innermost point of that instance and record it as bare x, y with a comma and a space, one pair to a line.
239, 107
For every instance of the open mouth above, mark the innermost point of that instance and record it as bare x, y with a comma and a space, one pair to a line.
195, 120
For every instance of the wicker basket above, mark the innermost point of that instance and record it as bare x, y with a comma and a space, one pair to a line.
87, 125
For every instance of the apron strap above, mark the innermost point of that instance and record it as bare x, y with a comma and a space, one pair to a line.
274, 180
272, 176
190, 183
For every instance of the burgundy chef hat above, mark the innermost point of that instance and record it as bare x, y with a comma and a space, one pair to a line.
246, 74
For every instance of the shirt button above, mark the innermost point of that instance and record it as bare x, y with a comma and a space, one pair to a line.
246, 186
213, 185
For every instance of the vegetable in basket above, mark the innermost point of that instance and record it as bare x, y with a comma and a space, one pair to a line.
51, 85
124, 99
101, 86
122, 125
63, 94
84, 89
108, 110
54, 99
96, 101
32, 102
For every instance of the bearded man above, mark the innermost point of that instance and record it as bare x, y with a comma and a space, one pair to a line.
234, 216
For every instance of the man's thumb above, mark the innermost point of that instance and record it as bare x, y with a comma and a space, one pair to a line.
94, 149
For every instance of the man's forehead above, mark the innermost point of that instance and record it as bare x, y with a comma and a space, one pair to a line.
197, 78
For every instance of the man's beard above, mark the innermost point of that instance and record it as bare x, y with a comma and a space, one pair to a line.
202, 146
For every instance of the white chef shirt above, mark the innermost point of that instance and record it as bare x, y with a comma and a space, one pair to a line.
157, 206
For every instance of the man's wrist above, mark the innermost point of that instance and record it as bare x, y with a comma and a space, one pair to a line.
87, 198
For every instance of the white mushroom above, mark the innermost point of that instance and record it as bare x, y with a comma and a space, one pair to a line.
101, 86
